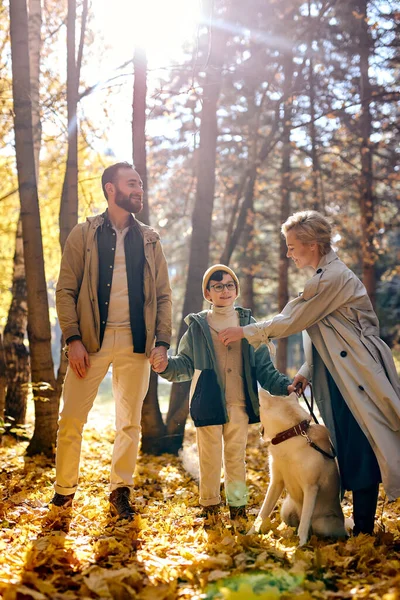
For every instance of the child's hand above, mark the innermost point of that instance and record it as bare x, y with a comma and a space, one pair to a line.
232, 334
160, 365
159, 359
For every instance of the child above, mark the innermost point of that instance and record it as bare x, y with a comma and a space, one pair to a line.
223, 393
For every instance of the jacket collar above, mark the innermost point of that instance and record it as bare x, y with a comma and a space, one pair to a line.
107, 221
149, 234
327, 259
201, 317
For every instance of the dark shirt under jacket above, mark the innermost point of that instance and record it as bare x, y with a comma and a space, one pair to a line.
134, 257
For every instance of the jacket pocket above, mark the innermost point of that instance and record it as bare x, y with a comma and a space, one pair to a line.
206, 407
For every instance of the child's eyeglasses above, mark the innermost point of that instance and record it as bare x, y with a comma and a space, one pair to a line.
219, 287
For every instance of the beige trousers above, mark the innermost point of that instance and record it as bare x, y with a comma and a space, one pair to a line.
130, 381
228, 440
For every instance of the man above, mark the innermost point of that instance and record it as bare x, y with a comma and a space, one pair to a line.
113, 301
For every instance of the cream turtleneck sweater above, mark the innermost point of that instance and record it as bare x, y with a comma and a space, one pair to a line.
229, 358
221, 317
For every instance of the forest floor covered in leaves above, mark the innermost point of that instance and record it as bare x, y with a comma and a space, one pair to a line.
167, 552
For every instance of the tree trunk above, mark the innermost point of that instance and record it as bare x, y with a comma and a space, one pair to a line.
15, 351
153, 426
68, 216
46, 404
35, 43
139, 125
247, 262
367, 200
317, 197
283, 293
69, 198
201, 222
248, 180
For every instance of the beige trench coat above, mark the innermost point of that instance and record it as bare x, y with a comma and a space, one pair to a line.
341, 333
76, 292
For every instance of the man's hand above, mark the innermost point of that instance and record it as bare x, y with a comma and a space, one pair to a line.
159, 359
232, 334
296, 381
78, 358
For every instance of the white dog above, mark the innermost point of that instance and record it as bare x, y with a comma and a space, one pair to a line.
310, 476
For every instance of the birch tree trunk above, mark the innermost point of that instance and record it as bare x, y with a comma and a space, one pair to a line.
16, 353
46, 404
139, 126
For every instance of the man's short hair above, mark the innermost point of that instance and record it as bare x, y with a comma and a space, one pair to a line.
110, 174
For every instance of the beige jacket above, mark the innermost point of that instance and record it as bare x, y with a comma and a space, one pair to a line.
341, 333
76, 292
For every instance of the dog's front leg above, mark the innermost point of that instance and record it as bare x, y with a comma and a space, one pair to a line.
274, 491
309, 498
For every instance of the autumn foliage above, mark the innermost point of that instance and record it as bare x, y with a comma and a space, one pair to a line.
168, 552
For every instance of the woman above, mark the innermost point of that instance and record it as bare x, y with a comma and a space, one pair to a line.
354, 377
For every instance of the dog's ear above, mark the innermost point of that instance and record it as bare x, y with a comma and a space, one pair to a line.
265, 397
293, 397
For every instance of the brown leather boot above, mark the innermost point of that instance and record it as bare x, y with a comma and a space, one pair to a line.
120, 503
208, 511
61, 500
237, 512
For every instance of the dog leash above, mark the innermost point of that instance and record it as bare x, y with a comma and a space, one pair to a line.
300, 392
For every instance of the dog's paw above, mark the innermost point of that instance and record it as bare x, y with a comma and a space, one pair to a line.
260, 526
256, 528
303, 538
302, 541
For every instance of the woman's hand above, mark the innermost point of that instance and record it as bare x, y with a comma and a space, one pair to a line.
299, 383
232, 334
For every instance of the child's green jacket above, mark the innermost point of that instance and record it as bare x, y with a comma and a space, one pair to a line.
196, 357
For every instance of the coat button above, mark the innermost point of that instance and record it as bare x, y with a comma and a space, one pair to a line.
343, 353
360, 387
229, 370
319, 270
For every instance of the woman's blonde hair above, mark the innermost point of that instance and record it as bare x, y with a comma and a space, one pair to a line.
310, 226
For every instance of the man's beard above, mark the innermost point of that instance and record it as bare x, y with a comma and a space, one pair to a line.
131, 203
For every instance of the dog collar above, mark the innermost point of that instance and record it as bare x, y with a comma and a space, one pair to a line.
298, 429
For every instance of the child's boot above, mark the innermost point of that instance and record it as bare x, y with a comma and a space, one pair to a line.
237, 512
